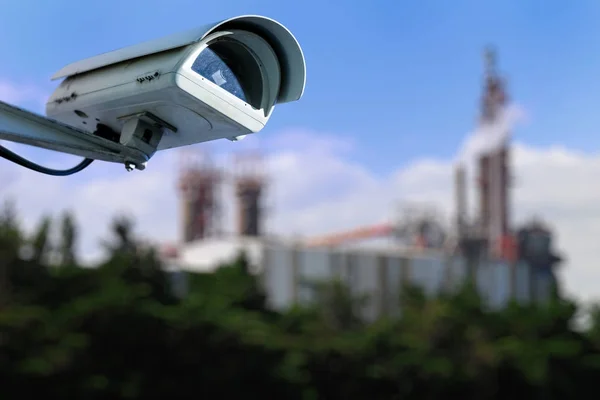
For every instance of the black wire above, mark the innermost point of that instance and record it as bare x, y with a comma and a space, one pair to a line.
23, 162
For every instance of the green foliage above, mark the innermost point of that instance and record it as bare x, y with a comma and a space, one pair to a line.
338, 308
68, 240
117, 331
40, 243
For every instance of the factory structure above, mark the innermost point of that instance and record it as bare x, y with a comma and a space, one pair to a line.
483, 246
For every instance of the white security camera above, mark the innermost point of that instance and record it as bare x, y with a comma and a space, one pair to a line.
222, 80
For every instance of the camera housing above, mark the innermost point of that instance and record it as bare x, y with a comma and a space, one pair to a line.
222, 80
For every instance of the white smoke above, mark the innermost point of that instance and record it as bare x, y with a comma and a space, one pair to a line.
485, 139
490, 136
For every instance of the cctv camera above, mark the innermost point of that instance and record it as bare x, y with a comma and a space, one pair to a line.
219, 81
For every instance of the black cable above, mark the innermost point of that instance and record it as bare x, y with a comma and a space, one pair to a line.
23, 162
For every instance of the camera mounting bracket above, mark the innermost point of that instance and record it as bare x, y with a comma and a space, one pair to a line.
22, 126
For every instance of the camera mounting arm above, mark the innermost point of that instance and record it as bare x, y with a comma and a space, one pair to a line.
22, 126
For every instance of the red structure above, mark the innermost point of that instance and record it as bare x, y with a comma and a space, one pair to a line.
416, 229
494, 174
198, 183
249, 181
337, 239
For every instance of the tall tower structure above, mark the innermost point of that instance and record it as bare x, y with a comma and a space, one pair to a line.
493, 166
249, 183
199, 181
460, 202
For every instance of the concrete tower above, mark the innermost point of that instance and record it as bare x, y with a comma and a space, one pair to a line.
249, 186
200, 206
493, 165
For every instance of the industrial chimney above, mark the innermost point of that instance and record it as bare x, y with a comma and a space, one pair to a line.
494, 165
460, 191
249, 186
249, 210
198, 182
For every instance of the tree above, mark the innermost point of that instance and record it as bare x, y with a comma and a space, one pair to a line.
338, 306
117, 332
68, 240
11, 240
122, 241
252, 296
40, 243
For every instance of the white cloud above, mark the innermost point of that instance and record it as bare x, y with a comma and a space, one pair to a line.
97, 195
491, 136
315, 188
555, 183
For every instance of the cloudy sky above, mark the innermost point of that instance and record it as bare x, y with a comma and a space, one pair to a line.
391, 97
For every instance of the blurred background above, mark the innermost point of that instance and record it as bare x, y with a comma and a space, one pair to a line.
436, 144
393, 101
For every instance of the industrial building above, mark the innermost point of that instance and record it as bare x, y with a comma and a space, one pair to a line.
287, 270
505, 263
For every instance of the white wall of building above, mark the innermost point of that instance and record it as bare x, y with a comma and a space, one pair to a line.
379, 274
209, 254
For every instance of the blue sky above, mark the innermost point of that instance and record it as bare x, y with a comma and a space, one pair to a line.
398, 79
390, 84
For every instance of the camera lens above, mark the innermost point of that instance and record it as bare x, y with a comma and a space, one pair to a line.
230, 65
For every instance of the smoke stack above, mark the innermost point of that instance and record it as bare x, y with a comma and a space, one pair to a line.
198, 182
249, 210
493, 166
461, 198
250, 184
484, 194
499, 221
198, 205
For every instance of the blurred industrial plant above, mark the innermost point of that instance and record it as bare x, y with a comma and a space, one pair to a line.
503, 261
